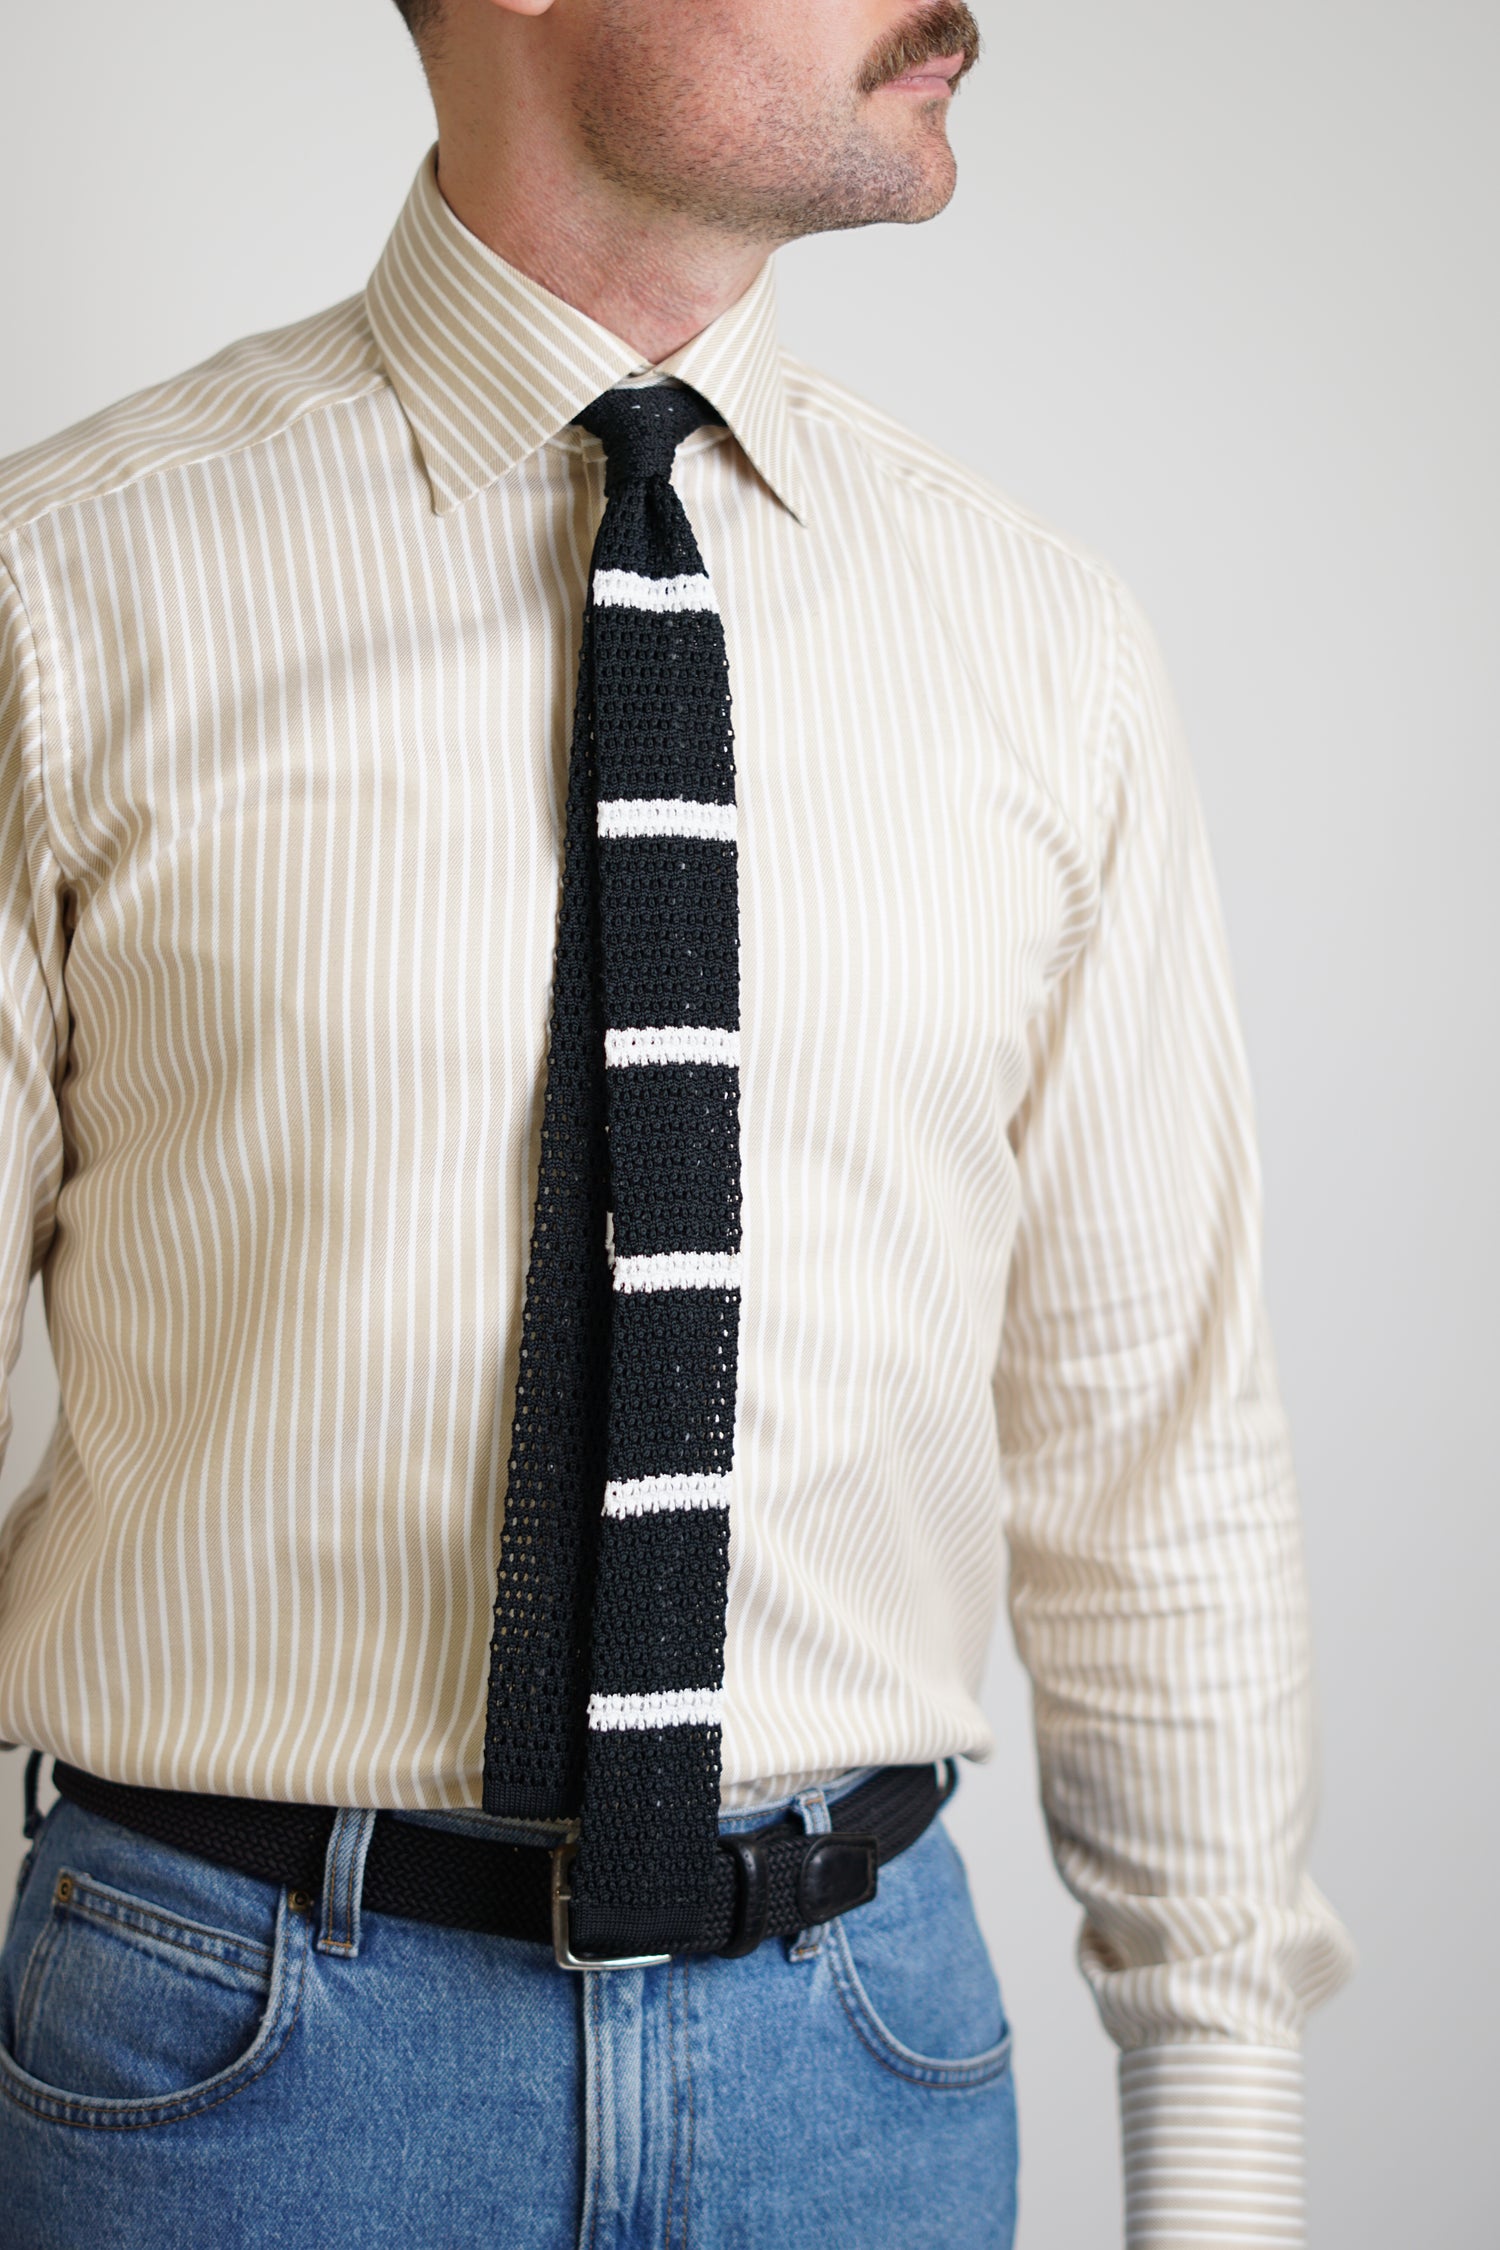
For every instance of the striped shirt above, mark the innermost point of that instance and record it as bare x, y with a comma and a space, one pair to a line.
286, 667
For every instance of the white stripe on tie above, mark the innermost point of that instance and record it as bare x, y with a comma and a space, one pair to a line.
674, 1707
672, 1043
666, 816
627, 589
649, 1496
679, 1269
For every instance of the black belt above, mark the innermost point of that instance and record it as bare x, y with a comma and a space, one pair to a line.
769, 1882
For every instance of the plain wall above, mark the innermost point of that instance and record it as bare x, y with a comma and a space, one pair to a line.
1217, 296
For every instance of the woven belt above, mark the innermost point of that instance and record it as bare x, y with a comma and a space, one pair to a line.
768, 1882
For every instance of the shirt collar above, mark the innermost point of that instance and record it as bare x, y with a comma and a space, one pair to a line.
487, 364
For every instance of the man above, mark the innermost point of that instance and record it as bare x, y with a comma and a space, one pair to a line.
610, 969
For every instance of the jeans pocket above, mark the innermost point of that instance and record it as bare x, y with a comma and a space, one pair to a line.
914, 1977
126, 2012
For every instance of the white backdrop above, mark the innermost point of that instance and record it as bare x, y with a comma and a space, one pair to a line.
1218, 295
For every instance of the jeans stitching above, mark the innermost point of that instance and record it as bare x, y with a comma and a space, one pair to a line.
692, 2123
39, 1963
958, 2077
91, 1903
332, 1923
676, 2099
177, 2108
591, 1994
28, 1865
350, 1942
343, 1881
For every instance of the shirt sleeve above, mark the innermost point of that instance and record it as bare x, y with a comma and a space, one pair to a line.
1157, 1588
33, 1008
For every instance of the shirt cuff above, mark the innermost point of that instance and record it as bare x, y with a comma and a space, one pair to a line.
1212, 2134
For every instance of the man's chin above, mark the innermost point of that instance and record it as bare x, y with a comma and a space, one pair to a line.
918, 197
890, 178
931, 175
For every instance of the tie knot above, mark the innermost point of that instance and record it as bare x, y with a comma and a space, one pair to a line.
641, 429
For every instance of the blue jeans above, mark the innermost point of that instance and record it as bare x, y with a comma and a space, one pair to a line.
186, 2059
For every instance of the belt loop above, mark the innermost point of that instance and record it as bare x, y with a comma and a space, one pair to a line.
343, 1881
811, 1807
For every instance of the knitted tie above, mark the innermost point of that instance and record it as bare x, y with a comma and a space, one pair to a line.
607, 1660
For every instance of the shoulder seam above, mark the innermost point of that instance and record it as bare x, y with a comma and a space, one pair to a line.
371, 380
110, 489
954, 483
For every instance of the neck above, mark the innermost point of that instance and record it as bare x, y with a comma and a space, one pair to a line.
653, 277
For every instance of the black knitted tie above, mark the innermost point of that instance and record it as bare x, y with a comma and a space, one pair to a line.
608, 1656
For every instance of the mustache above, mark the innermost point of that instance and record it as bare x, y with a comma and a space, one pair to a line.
946, 28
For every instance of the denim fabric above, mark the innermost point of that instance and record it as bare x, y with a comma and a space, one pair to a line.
188, 2059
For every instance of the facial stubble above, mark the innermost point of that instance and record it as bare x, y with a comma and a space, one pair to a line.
731, 140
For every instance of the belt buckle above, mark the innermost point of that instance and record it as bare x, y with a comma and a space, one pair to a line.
563, 1856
